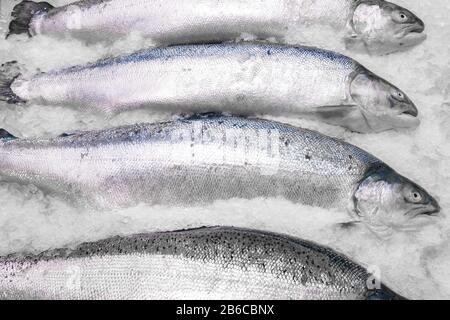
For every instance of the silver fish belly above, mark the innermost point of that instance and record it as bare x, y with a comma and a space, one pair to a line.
191, 161
175, 21
205, 263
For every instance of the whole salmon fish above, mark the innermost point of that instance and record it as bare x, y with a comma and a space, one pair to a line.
240, 79
198, 160
205, 263
373, 25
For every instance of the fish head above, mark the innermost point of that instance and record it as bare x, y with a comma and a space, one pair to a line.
385, 198
384, 27
383, 105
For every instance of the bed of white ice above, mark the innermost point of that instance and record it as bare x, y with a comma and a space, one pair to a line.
416, 264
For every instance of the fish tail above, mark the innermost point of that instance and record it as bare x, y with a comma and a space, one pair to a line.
9, 72
384, 293
22, 15
5, 135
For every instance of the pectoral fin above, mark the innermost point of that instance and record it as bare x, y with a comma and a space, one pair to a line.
354, 42
347, 116
336, 112
66, 134
349, 225
71, 133
381, 231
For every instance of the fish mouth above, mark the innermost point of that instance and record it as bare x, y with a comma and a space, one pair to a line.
406, 109
411, 113
430, 210
417, 27
411, 35
407, 119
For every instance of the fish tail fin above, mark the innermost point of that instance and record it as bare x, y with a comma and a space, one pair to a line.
22, 15
9, 72
384, 293
5, 135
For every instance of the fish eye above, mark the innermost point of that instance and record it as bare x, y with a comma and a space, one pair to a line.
415, 196
398, 95
400, 16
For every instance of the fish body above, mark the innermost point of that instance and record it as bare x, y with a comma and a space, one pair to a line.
198, 160
177, 21
191, 160
204, 263
240, 79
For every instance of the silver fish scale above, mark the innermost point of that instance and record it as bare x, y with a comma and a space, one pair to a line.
214, 263
191, 162
175, 21
209, 50
202, 78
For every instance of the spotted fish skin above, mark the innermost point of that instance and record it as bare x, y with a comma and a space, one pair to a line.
191, 161
204, 263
